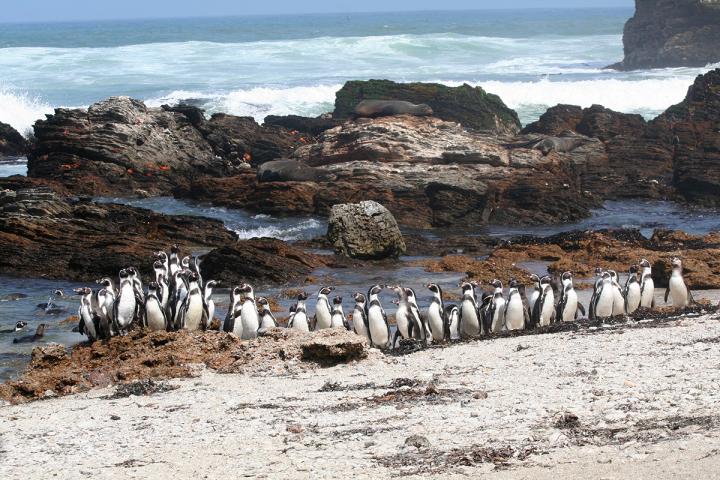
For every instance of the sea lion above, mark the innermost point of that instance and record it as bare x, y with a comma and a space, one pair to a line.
287, 170
563, 144
32, 338
387, 108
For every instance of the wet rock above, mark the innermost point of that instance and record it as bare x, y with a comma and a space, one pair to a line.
310, 125
556, 120
417, 441
334, 346
289, 170
672, 33
366, 231
48, 355
471, 106
12, 144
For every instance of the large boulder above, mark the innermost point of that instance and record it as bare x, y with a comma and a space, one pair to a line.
471, 106
366, 230
672, 33
12, 144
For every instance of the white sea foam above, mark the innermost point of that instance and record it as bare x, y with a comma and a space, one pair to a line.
286, 232
20, 110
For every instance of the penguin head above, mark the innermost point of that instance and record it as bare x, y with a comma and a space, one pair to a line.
513, 283
293, 308
161, 256
410, 293
105, 282
244, 288
20, 325
375, 290
59, 293
606, 277
185, 262
158, 265
262, 303
193, 277
123, 274
174, 249
644, 263
496, 283
467, 287
359, 298
598, 272
545, 280
152, 287
535, 278
236, 292
210, 284
325, 291
676, 263
634, 269
567, 276
337, 300
398, 290
434, 288
302, 296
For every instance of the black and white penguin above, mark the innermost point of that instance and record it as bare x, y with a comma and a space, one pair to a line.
436, 314
534, 293
647, 285
323, 309
569, 306
516, 313
338, 319
470, 324
209, 302
174, 261
267, 319
249, 313
495, 312
452, 316
155, 317
192, 312
418, 328
105, 303
544, 311
39, 333
162, 257
596, 288
88, 323
677, 289
195, 268
299, 319
230, 325
178, 293
402, 316
125, 307
159, 269
19, 325
605, 298
164, 295
359, 316
618, 298
50, 307
632, 292
185, 262
378, 327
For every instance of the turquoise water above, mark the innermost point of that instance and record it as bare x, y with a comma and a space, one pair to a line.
295, 64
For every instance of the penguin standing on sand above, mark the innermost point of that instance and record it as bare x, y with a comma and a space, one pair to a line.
618, 299
359, 316
249, 313
105, 303
544, 311
155, 317
89, 322
647, 286
495, 313
402, 316
436, 314
631, 292
516, 313
569, 306
323, 310
418, 329
470, 324
209, 302
605, 298
192, 311
338, 319
378, 326
677, 289
299, 319
535, 293
596, 288
125, 307
232, 323
267, 319
452, 316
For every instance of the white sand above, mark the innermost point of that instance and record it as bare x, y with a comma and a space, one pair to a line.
629, 380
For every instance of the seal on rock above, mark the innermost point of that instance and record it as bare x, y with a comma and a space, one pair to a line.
388, 108
286, 170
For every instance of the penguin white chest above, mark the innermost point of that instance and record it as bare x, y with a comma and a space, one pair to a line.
571, 306
126, 307
250, 320
267, 321
618, 301
534, 296
378, 328
515, 314
604, 307
435, 319
470, 322
633, 297
359, 323
323, 316
648, 293
300, 322
454, 322
401, 320
193, 315
678, 291
548, 307
155, 317
498, 320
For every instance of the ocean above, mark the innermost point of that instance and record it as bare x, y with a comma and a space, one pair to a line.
261, 65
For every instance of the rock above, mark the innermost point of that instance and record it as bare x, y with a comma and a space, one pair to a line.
471, 106
334, 346
672, 33
417, 441
47, 355
556, 120
259, 261
366, 230
289, 170
311, 126
45, 235
12, 144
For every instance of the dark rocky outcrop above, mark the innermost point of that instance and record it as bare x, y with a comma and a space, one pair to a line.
471, 106
12, 144
313, 126
365, 230
289, 170
672, 33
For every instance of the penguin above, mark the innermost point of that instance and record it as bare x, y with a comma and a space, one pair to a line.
230, 325
677, 289
159, 269
299, 319
19, 325
137, 283
378, 327
470, 324
179, 292
162, 257
618, 299
125, 306
88, 322
209, 302
39, 333
402, 316
191, 313
516, 312
535, 294
632, 292
596, 289
647, 285
164, 291
323, 310
452, 315
105, 302
359, 316
50, 307
338, 319
195, 268
418, 327
569, 306
267, 319
436, 314
174, 261
544, 312
249, 313
155, 317
605, 298
495, 313
185, 262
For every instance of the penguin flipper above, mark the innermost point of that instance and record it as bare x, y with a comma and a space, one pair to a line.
691, 300
667, 293
580, 308
526, 317
81, 326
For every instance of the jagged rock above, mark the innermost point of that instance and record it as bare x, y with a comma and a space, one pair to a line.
596, 121
556, 120
47, 355
672, 33
12, 144
471, 106
310, 125
366, 230
333, 346
289, 170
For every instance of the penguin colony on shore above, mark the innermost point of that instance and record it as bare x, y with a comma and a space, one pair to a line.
178, 299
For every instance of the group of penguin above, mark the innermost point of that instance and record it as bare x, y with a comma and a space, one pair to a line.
178, 299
